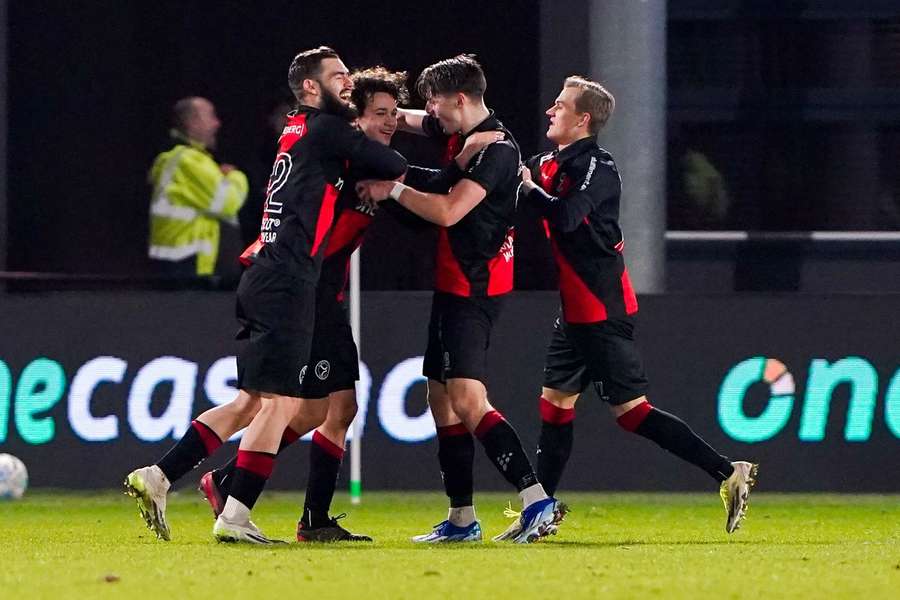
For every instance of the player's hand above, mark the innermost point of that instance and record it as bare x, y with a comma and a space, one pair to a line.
525, 174
475, 143
226, 168
371, 190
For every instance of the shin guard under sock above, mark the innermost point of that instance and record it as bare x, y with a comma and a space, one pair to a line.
251, 473
324, 466
555, 443
223, 476
456, 455
504, 449
673, 434
198, 443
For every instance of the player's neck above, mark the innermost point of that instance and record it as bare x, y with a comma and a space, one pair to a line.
473, 117
562, 147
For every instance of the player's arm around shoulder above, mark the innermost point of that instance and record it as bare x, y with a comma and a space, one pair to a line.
411, 121
492, 166
445, 210
340, 139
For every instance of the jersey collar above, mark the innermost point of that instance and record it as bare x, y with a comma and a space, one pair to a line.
576, 148
490, 123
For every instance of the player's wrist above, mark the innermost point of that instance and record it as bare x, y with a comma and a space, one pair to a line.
397, 190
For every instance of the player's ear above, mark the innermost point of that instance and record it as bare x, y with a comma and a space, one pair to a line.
311, 86
585, 120
460, 99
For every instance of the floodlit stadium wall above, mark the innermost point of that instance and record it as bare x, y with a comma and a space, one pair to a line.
94, 384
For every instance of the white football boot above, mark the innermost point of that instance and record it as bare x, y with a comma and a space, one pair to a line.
148, 485
735, 491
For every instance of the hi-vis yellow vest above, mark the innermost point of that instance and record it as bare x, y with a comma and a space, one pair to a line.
190, 197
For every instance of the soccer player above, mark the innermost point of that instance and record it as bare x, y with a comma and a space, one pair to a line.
474, 272
333, 367
576, 189
276, 297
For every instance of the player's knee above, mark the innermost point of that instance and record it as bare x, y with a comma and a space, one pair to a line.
559, 398
469, 406
314, 411
631, 414
279, 408
245, 404
342, 414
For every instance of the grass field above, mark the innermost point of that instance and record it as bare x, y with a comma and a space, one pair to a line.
65, 545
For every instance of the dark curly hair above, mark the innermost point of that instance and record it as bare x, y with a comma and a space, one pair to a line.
368, 82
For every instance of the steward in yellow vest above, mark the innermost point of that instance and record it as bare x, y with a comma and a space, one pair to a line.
192, 193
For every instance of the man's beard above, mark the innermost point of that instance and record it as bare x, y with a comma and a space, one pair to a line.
333, 105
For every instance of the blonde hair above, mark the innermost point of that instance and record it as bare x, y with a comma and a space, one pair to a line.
594, 99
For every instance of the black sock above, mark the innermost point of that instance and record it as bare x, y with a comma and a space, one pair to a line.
199, 442
250, 476
503, 447
673, 434
456, 455
324, 465
555, 444
223, 476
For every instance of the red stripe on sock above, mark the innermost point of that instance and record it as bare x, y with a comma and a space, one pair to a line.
555, 415
327, 445
210, 440
289, 436
451, 430
632, 419
260, 463
488, 421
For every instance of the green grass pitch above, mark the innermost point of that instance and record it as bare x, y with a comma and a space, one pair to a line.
68, 545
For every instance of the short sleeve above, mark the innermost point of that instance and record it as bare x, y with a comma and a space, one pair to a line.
494, 164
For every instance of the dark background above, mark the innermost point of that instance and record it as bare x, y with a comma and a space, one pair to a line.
793, 109
91, 87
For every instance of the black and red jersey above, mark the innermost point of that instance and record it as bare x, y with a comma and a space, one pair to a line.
314, 153
475, 256
578, 196
352, 218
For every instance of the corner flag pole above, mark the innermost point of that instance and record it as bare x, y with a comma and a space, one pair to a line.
356, 427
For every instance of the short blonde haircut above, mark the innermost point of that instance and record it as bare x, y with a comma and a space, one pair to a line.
594, 99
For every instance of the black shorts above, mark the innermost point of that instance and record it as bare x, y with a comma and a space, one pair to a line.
459, 334
604, 354
333, 361
276, 313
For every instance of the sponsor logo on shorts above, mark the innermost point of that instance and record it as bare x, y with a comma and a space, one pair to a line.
302, 374
323, 369
446, 360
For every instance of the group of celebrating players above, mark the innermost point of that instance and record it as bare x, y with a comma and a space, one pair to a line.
334, 167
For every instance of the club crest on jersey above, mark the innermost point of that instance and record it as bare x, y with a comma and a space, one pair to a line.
323, 370
564, 184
